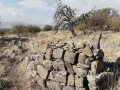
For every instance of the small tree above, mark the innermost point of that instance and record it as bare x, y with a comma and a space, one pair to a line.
33, 29
47, 28
64, 16
19, 29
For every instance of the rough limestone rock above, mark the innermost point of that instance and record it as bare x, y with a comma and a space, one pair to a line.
58, 65
68, 88
87, 51
47, 64
79, 82
88, 61
58, 53
79, 88
83, 66
31, 65
43, 73
25, 61
39, 58
58, 76
82, 57
71, 80
54, 85
69, 68
92, 87
70, 57
79, 45
48, 54
40, 81
80, 72
96, 67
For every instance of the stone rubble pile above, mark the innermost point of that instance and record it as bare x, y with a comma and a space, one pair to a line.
68, 66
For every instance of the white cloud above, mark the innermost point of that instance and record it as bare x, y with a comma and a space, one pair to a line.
38, 4
87, 5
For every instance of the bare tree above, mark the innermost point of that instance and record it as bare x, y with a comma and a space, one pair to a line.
64, 17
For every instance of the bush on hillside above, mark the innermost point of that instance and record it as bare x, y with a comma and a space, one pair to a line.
115, 23
19, 29
2, 32
32, 29
47, 28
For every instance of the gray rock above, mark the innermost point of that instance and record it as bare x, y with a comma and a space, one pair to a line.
82, 57
48, 54
71, 80
47, 64
84, 66
68, 88
79, 45
40, 81
54, 85
93, 87
43, 73
87, 51
79, 88
25, 61
80, 72
79, 82
30, 65
58, 65
58, 76
70, 57
69, 68
96, 67
88, 61
58, 53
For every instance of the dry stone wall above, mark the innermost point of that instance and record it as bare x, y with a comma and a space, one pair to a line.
63, 66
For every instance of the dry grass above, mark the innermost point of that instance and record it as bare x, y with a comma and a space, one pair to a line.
45, 37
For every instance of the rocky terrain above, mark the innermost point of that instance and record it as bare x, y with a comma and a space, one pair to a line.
87, 63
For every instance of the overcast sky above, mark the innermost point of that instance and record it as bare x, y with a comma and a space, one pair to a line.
42, 11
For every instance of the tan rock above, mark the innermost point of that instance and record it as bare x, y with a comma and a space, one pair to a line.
71, 80
69, 57
69, 68
43, 73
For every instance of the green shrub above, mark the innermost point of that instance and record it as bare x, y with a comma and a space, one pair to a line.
115, 23
19, 29
82, 26
47, 28
2, 32
33, 29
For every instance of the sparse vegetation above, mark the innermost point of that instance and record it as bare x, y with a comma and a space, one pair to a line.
2, 32
47, 28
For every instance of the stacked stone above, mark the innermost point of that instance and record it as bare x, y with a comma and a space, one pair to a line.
66, 66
